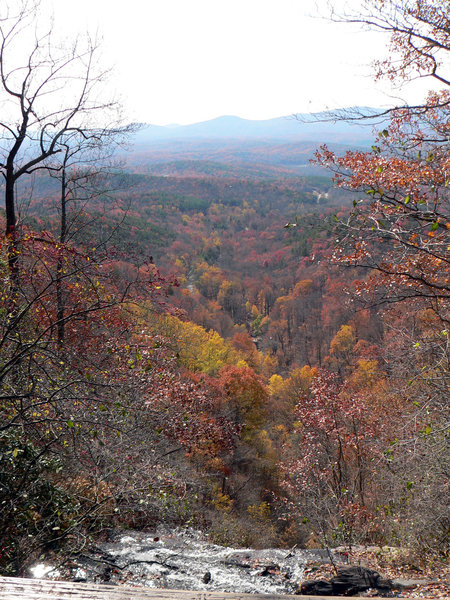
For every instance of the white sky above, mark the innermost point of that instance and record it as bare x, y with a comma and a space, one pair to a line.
184, 61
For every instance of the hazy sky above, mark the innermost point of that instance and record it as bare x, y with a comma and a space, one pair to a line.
183, 61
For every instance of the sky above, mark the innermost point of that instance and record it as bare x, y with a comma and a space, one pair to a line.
185, 61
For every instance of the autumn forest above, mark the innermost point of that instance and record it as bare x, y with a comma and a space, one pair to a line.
246, 336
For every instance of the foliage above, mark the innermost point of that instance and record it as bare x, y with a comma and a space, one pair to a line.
123, 406
35, 509
246, 396
197, 349
335, 446
398, 231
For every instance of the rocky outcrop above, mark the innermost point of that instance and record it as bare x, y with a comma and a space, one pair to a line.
185, 560
347, 582
408, 584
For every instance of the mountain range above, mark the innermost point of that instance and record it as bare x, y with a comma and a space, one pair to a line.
304, 127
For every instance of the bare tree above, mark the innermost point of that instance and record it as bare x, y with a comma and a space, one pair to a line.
418, 49
50, 95
419, 31
86, 172
63, 400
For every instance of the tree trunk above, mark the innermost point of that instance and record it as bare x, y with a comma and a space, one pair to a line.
11, 224
60, 265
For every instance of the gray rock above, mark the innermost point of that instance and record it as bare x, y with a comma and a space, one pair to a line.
406, 584
348, 582
316, 587
207, 577
351, 580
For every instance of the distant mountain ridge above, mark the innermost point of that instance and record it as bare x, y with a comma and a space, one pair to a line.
300, 128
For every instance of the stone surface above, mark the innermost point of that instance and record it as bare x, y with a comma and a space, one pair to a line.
406, 584
185, 560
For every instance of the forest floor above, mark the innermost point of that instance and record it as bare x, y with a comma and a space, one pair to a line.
429, 579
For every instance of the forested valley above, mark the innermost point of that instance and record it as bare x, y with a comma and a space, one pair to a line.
244, 336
